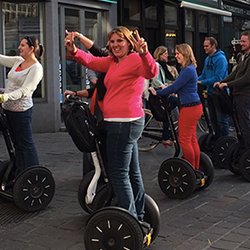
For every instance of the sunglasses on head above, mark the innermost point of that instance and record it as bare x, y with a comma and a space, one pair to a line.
29, 41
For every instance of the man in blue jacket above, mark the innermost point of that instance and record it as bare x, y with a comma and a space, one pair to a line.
215, 69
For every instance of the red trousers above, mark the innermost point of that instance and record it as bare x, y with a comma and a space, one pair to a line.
187, 123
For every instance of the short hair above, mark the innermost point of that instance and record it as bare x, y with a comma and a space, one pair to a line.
246, 33
159, 51
212, 41
188, 54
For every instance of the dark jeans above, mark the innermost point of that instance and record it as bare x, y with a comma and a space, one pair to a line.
242, 107
123, 164
20, 128
174, 102
219, 120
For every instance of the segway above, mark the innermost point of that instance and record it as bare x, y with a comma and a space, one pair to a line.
32, 189
238, 162
215, 148
176, 176
109, 226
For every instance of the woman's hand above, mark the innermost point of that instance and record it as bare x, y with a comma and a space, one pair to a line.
69, 92
152, 91
141, 45
69, 42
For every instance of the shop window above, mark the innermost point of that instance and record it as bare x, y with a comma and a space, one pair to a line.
203, 23
214, 24
170, 41
170, 15
189, 38
150, 10
189, 19
132, 10
23, 19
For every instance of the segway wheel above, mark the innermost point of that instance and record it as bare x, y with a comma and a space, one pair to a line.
206, 166
102, 197
244, 165
34, 189
113, 228
152, 216
176, 178
231, 155
220, 150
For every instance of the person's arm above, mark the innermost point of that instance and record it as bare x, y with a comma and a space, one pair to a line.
9, 61
29, 85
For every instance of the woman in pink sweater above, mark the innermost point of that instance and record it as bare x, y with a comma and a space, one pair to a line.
128, 64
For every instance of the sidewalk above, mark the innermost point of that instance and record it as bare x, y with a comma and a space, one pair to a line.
217, 218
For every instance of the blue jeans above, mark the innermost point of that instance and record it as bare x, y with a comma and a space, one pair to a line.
123, 164
20, 128
219, 120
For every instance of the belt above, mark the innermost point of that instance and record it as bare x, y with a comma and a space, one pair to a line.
191, 104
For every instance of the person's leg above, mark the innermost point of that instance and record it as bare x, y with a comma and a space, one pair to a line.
242, 105
187, 133
212, 115
20, 127
123, 161
221, 117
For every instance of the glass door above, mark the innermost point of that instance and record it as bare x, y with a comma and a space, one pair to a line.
90, 23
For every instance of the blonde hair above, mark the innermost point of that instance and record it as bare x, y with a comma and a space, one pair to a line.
123, 32
159, 51
187, 53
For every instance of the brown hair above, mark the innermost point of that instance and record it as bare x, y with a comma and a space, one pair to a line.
33, 42
123, 32
159, 51
212, 41
188, 54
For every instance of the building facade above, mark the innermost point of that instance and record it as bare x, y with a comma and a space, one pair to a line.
168, 22
48, 20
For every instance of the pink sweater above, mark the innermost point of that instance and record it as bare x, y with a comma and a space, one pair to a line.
124, 81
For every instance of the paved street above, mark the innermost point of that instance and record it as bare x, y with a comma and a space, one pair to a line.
217, 218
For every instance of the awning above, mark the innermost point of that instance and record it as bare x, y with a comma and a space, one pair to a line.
205, 8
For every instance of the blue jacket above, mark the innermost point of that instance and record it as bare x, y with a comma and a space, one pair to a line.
215, 69
185, 86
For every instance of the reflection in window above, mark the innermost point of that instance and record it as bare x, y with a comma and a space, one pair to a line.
189, 20
170, 15
203, 23
189, 38
214, 24
132, 10
151, 10
170, 41
23, 20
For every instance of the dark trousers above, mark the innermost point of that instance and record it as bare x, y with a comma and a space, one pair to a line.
242, 108
219, 120
20, 128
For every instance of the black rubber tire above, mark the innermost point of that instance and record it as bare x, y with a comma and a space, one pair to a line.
176, 178
232, 153
244, 165
113, 228
220, 149
34, 189
152, 216
206, 166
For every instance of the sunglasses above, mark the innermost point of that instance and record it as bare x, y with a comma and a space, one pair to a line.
29, 41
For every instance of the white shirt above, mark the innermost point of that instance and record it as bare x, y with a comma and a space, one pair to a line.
21, 84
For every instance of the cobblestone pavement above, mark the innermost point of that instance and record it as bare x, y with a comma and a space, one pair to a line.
217, 218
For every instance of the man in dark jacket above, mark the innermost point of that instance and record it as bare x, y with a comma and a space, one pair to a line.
215, 69
239, 80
